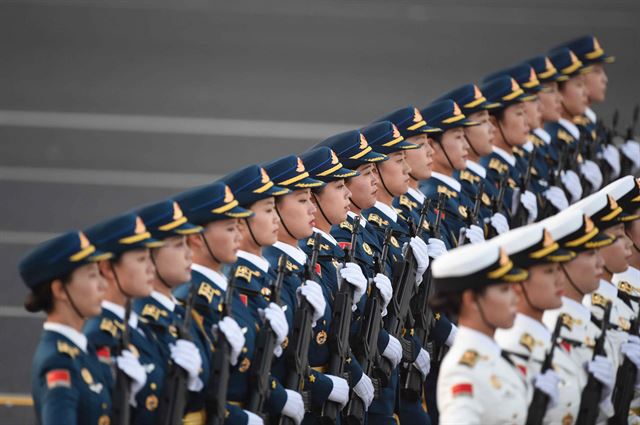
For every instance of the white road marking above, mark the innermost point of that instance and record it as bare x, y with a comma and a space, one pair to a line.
172, 125
15, 312
104, 177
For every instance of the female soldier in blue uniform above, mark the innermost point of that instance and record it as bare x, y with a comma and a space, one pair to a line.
162, 311
296, 213
354, 152
332, 202
255, 191
385, 138
128, 275
511, 121
69, 385
215, 208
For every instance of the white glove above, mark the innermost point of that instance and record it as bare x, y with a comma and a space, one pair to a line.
631, 149
611, 154
383, 284
278, 322
530, 204
186, 355
393, 351
294, 406
571, 182
352, 273
312, 292
602, 369
364, 389
547, 382
475, 234
423, 363
500, 223
130, 365
592, 173
253, 419
234, 336
340, 392
631, 350
556, 196
421, 254
436, 247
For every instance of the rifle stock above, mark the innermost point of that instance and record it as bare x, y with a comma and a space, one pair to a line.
122, 391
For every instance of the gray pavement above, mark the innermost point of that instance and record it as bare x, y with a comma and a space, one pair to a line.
289, 70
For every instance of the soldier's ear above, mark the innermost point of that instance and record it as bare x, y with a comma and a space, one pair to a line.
105, 269
57, 292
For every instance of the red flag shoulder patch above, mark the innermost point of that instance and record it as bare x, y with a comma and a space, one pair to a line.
465, 389
104, 354
566, 346
244, 299
58, 378
344, 245
318, 270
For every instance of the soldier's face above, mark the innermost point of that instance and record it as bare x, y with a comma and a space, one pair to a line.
616, 256
543, 288
534, 113
173, 261
135, 272
420, 160
596, 83
514, 124
574, 95
395, 173
264, 224
585, 271
480, 136
550, 105
87, 289
334, 201
297, 213
223, 237
632, 230
364, 187
454, 144
499, 305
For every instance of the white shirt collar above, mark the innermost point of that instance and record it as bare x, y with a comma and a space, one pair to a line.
570, 127
416, 195
353, 215
542, 134
256, 260
327, 236
168, 303
217, 278
76, 337
505, 155
471, 337
576, 309
450, 181
118, 310
387, 210
537, 329
477, 168
590, 113
292, 251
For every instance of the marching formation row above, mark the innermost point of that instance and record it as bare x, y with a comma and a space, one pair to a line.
476, 261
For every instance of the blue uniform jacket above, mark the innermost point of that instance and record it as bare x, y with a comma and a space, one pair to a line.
69, 386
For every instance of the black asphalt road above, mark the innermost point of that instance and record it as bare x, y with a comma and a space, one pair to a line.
330, 62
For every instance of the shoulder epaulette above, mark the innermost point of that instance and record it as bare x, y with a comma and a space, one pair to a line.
469, 176
110, 326
405, 201
66, 348
153, 312
375, 218
450, 193
346, 225
497, 165
564, 136
527, 341
208, 292
244, 272
469, 358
